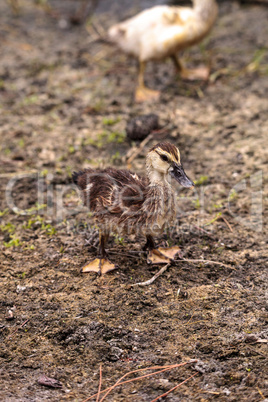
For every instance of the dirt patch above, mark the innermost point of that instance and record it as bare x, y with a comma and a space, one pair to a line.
65, 101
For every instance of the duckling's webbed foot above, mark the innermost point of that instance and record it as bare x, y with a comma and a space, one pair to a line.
99, 265
160, 255
171, 252
155, 256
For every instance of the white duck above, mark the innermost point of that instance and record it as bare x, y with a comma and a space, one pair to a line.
162, 31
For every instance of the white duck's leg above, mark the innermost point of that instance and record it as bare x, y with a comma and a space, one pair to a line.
142, 93
200, 73
100, 265
14, 6
159, 255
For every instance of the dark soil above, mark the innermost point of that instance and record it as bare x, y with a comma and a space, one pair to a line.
65, 101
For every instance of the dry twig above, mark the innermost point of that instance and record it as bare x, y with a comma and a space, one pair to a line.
16, 330
160, 369
202, 230
209, 262
261, 394
134, 152
133, 379
227, 223
99, 390
257, 351
173, 389
165, 267
150, 281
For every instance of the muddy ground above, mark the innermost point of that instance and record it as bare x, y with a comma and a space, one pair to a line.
65, 101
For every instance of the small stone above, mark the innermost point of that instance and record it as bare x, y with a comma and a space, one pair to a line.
163, 381
139, 127
251, 339
49, 382
63, 24
21, 289
227, 391
9, 315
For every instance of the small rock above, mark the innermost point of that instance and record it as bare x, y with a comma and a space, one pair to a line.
115, 353
139, 127
63, 23
226, 391
9, 316
49, 382
163, 381
202, 367
251, 339
21, 289
182, 293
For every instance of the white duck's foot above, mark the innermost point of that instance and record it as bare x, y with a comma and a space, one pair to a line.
200, 73
162, 255
100, 266
144, 94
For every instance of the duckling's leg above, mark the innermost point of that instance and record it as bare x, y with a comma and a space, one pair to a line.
159, 255
142, 93
200, 73
100, 265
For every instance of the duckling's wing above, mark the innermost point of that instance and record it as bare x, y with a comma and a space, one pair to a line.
110, 191
95, 187
128, 191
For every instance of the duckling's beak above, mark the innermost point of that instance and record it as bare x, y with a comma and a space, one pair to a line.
176, 171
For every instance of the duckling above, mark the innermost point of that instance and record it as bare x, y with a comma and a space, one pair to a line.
162, 31
125, 203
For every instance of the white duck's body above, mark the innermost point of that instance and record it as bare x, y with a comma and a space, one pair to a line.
162, 31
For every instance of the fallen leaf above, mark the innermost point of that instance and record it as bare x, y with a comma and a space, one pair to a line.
49, 382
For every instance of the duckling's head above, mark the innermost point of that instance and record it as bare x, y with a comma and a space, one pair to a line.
163, 160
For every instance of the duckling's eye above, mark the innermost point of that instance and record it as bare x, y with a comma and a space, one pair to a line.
164, 158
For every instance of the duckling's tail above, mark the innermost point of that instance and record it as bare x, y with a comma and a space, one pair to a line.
78, 177
75, 177
81, 178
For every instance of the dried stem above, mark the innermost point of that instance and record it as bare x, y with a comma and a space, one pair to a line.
99, 390
165, 267
227, 223
160, 369
209, 262
173, 389
136, 151
16, 330
150, 281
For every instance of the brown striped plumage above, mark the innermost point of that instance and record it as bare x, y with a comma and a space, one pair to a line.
125, 203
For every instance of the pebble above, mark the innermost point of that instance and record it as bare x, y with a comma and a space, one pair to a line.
9, 315
138, 128
21, 289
